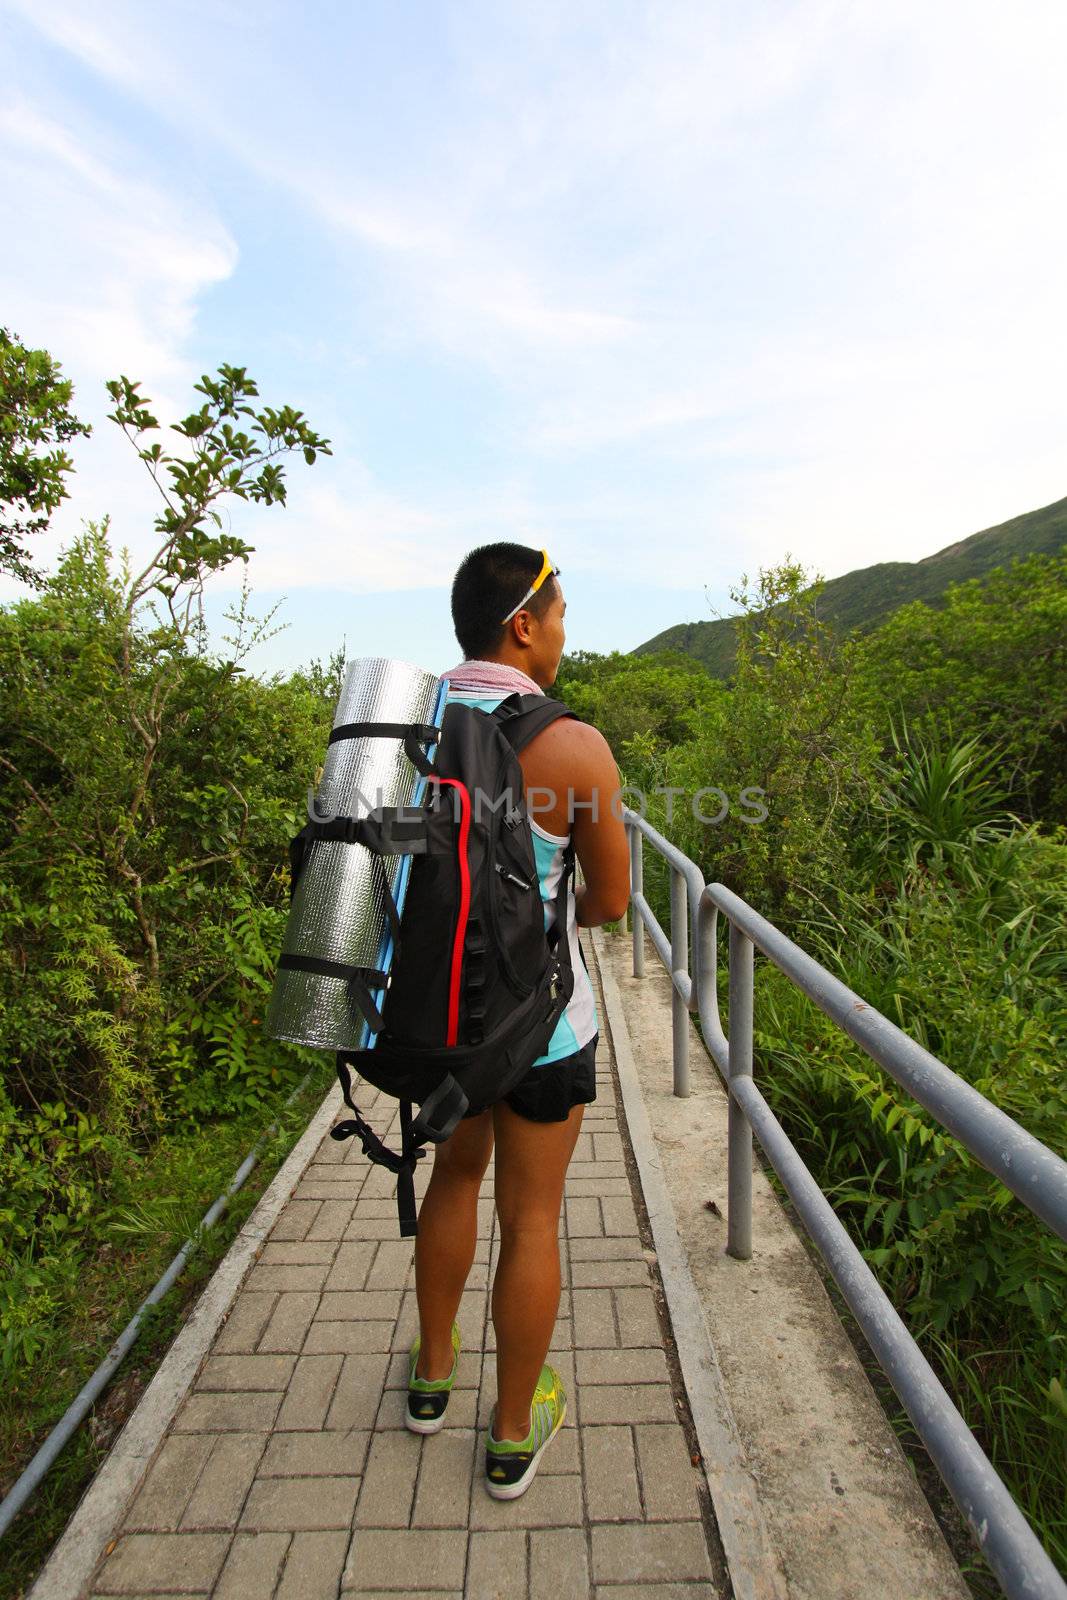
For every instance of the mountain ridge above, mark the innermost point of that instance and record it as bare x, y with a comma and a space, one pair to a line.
866, 596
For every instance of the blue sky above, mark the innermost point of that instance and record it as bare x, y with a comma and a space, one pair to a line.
672, 289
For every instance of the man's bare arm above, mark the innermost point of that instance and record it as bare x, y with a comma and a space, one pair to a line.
598, 834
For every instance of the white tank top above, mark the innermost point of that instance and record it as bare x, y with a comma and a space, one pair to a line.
579, 1022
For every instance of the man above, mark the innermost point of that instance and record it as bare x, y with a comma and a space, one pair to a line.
508, 610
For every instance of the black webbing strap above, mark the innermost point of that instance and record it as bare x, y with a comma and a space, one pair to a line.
414, 735
360, 980
402, 1162
387, 832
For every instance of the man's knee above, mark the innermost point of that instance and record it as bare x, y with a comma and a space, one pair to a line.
527, 1222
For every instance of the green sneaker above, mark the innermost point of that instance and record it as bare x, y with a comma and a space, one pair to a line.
428, 1398
510, 1464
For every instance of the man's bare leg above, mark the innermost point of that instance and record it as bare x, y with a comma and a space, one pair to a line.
445, 1242
531, 1167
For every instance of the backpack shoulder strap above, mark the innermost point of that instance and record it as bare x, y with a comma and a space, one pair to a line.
522, 716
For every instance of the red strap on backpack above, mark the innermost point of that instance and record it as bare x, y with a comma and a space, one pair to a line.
464, 906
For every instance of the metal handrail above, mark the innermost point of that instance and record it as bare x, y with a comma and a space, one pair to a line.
1022, 1163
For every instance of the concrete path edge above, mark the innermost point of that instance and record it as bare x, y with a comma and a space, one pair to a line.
754, 1568
100, 1510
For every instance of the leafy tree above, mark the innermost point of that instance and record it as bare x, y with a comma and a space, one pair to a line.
991, 664
641, 704
792, 730
147, 790
35, 422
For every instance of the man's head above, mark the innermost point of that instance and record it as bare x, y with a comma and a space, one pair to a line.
492, 582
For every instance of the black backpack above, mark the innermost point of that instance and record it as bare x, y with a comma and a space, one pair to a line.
476, 985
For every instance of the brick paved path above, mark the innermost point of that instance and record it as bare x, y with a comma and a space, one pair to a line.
288, 1474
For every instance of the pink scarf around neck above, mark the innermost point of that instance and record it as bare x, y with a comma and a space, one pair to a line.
490, 677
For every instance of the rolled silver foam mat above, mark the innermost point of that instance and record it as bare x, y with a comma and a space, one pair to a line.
338, 908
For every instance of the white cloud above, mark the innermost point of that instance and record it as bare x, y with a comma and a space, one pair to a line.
744, 278
105, 267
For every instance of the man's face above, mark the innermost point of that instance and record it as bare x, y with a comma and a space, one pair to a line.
552, 635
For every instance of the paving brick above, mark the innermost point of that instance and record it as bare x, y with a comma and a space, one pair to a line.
583, 1218
649, 1553
296, 1219
282, 1504
620, 1220
559, 1566
364, 1226
326, 1172
245, 1323
622, 1366
332, 1220
313, 1567
669, 1479
638, 1321
610, 1472
389, 1475
380, 1182
170, 1482
330, 1190
581, 1188
355, 1338
331, 1152
594, 1319
496, 1566
442, 1499
311, 1389
583, 1148
551, 1501
407, 1322
266, 1276
191, 1562
588, 1249
227, 1413
315, 1455
219, 1495
298, 1252
562, 1336
358, 1392
392, 1264
252, 1566
607, 1146
596, 1171
350, 1266
370, 1304
246, 1373
561, 1458
406, 1559
628, 1402
289, 1322
606, 1274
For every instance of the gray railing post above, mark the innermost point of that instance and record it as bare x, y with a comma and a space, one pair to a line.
680, 965
637, 886
739, 1161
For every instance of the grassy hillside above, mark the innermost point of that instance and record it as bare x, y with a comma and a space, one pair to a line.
863, 598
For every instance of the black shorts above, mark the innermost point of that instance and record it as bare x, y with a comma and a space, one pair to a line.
548, 1093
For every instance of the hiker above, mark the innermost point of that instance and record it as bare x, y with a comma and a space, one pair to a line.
508, 612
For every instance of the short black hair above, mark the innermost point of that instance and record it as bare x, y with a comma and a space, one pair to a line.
491, 580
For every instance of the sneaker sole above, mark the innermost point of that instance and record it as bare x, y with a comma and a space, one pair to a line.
425, 1424
512, 1491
